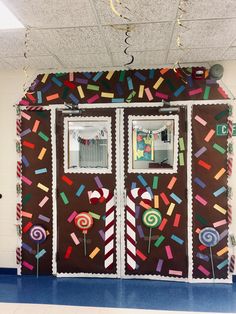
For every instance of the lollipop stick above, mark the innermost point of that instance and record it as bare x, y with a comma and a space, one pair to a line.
37, 261
149, 240
212, 264
85, 245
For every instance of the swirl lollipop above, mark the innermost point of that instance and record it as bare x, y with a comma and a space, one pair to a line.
38, 235
151, 218
84, 221
209, 237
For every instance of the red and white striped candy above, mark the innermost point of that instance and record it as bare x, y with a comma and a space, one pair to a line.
229, 166
229, 214
131, 223
34, 108
18, 127
18, 171
18, 211
232, 263
18, 255
99, 196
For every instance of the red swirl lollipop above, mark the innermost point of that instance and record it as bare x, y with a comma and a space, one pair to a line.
84, 221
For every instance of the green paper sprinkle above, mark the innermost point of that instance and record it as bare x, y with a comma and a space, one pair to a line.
122, 76
43, 136
64, 198
181, 159
202, 220
159, 241
155, 182
170, 85
206, 92
95, 216
219, 148
131, 95
104, 217
59, 74
65, 92
106, 85
41, 114
26, 198
93, 87
222, 114
181, 144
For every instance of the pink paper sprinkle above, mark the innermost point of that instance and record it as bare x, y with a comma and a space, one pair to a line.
219, 223
27, 265
72, 216
200, 120
24, 102
161, 95
74, 238
175, 272
195, 91
201, 200
44, 201
25, 115
168, 252
93, 99
203, 270
149, 94
26, 180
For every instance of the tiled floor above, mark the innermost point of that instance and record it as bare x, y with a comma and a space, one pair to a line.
109, 293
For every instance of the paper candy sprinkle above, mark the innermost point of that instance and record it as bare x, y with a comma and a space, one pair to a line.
94, 253
64, 198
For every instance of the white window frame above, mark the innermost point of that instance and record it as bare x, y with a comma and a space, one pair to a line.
107, 123
175, 144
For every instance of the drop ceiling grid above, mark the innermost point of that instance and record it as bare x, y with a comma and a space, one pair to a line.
79, 34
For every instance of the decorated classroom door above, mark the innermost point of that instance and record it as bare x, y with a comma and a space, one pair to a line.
155, 166
86, 184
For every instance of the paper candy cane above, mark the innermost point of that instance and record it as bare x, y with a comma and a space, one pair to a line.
131, 223
101, 195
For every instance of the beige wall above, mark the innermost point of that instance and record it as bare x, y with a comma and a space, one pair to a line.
11, 90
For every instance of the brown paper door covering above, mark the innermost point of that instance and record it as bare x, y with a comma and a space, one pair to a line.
78, 262
180, 252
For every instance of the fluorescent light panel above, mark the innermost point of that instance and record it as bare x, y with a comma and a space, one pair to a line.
8, 19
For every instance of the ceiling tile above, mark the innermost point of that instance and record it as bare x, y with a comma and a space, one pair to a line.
72, 40
145, 11
53, 13
38, 63
195, 55
230, 54
13, 44
200, 34
142, 37
86, 60
202, 9
141, 58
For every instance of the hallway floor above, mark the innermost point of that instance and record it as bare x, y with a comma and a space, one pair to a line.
110, 293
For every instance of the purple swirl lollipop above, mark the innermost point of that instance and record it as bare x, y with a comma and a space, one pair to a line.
38, 234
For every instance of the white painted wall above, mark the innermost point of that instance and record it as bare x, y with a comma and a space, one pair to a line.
11, 90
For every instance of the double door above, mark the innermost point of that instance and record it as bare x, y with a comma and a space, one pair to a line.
122, 193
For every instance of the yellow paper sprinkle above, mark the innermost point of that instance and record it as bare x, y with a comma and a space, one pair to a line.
220, 209
170, 209
94, 252
42, 153
222, 251
107, 95
42, 187
81, 92
158, 83
141, 90
109, 75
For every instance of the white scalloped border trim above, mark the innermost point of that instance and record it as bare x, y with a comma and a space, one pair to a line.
65, 145
175, 140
